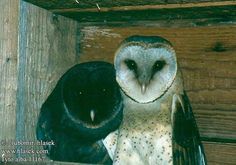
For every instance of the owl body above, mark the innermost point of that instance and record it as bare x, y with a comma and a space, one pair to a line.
158, 125
145, 136
83, 109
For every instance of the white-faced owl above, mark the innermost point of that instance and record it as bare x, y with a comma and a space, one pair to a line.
158, 125
85, 106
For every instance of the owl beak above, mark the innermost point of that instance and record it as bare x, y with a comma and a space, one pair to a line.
143, 80
92, 115
143, 88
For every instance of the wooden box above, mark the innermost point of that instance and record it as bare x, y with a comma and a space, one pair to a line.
38, 45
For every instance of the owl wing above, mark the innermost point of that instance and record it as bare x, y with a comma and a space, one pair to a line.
187, 147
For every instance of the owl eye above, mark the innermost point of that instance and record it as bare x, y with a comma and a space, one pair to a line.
158, 65
77, 93
131, 64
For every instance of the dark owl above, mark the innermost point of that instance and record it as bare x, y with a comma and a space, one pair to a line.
82, 110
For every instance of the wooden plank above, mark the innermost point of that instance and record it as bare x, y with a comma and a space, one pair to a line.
132, 7
47, 50
220, 153
206, 57
213, 97
190, 43
198, 16
90, 4
121, 13
8, 70
216, 122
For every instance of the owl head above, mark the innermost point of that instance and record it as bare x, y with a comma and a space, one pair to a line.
146, 67
91, 97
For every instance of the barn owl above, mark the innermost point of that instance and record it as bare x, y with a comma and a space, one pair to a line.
84, 107
158, 126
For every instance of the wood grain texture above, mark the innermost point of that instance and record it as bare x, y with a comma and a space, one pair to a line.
206, 56
8, 70
98, 8
200, 16
220, 153
47, 50
123, 13
66, 4
216, 122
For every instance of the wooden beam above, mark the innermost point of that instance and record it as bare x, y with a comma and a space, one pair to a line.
134, 12
8, 71
145, 7
47, 49
213, 13
106, 5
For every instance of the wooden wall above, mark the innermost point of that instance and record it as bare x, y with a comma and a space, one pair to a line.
206, 55
8, 68
36, 48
